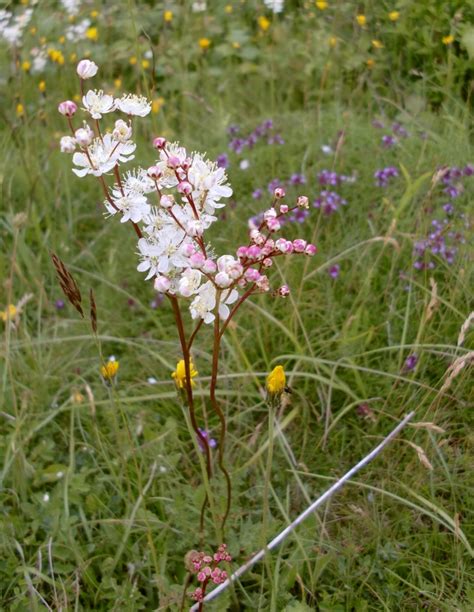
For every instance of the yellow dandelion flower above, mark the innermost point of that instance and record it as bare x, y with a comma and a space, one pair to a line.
25, 66
94, 14
361, 20
145, 64
33, 30
20, 111
263, 23
157, 104
448, 40
370, 63
236, 45
321, 5
132, 61
24, 2
42, 86
168, 16
376, 44
179, 374
11, 310
204, 43
332, 41
77, 397
61, 40
92, 33
109, 370
118, 83
43, 40
229, 8
276, 381
394, 15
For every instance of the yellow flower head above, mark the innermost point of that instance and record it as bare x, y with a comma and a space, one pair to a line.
157, 104
361, 20
448, 40
132, 60
73, 57
332, 41
92, 33
263, 23
11, 310
370, 63
42, 86
393, 15
20, 111
94, 14
61, 40
321, 5
145, 64
109, 370
376, 44
276, 381
204, 43
179, 374
229, 9
118, 83
168, 16
33, 30
236, 45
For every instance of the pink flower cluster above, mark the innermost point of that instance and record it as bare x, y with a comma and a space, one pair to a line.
207, 570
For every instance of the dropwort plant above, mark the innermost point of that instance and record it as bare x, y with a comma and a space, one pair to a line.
170, 206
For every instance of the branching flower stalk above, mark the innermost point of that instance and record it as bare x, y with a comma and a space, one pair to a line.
170, 206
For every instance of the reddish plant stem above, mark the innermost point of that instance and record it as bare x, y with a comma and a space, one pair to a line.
220, 414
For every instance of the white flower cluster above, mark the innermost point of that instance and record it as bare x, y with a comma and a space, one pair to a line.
12, 26
171, 205
275, 5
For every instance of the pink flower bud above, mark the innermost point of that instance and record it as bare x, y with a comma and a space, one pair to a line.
84, 136
311, 250
267, 262
185, 188
242, 252
273, 225
198, 594
86, 69
167, 201
189, 249
269, 214
223, 280
257, 237
279, 193
173, 162
67, 108
252, 275
162, 284
186, 164
263, 283
302, 202
201, 576
197, 260
284, 209
209, 266
284, 291
254, 252
299, 245
159, 142
154, 172
280, 244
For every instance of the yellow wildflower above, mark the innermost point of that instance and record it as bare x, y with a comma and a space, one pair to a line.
229, 8
43, 40
73, 57
361, 20
332, 41
94, 14
168, 16
42, 86
118, 83
263, 23
393, 15
33, 30
11, 310
157, 104
61, 40
20, 111
110, 369
204, 43
26, 65
133, 60
377, 44
276, 381
370, 63
236, 45
447, 40
145, 64
179, 374
76, 97
92, 33
77, 397
321, 4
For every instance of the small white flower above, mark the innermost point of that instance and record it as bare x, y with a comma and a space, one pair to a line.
86, 69
67, 144
102, 155
46, 498
132, 104
122, 131
134, 207
189, 282
96, 103
204, 303
244, 164
326, 149
151, 380
84, 136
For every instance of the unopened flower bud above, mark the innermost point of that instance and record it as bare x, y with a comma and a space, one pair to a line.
299, 245
209, 266
284, 209
257, 237
302, 202
195, 227
223, 280
284, 291
279, 193
154, 173
162, 284
167, 200
84, 136
197, 260
173, 162
263, 283
186, 164
86, 69
311, 250
159, 142
252, 275
242, 252
67, 144
185, 188
273, 225
267, 262
254, 252
189, 249
67, 108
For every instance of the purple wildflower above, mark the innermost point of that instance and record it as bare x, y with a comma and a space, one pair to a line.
59, 304
299, 215
383, 176
410, 362
388, 141
297, 179
257, 194
334, 271
212, 443
223, 160
329, 202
